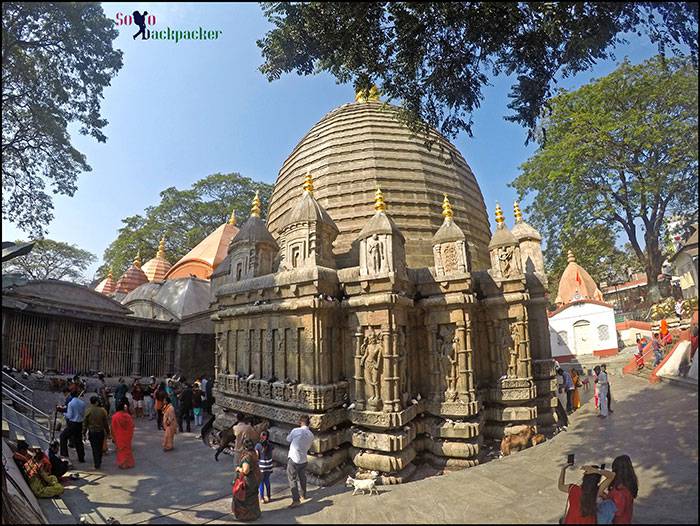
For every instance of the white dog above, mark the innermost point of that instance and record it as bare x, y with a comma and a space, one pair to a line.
362, 485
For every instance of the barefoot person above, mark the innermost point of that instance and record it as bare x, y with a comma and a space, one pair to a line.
300, 439
245, 504
169, 424
123, 434
264, 451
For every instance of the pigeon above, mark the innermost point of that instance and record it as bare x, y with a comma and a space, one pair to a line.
418, 396
414, 401
25, 374
406, 428
39, 374
335, 428
351, 406
251, 376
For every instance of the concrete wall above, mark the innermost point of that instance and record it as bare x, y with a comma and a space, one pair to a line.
601, 336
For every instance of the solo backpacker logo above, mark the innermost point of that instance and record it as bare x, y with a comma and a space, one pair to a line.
147, 30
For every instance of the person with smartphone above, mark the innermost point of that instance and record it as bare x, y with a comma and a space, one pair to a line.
582, 501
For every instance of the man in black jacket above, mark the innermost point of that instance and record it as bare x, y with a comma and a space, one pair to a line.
185, 399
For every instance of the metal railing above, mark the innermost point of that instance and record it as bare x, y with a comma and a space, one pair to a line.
18, 386
24, 428
18, 398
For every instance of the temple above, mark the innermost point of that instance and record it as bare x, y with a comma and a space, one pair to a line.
376, 301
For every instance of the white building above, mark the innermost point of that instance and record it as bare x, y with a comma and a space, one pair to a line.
583, 323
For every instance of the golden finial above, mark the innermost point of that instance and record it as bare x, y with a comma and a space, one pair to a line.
570, 258
232, 219
137, 260
109, 274
255, 209
161, 248
517, 212
379, 204
499, 216
308, 183
446, 208
370, 95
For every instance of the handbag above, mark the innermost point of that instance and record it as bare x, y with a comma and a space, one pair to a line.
239, 488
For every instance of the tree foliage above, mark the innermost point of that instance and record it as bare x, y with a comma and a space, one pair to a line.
52, 260
185, 217
57, 58
621, 152
436, 57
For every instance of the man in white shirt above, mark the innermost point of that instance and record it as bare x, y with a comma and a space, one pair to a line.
300, 440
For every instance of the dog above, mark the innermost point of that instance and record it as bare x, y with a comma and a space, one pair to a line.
518, 441
362, 485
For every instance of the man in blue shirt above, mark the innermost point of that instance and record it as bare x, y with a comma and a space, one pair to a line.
569, 388
75, 413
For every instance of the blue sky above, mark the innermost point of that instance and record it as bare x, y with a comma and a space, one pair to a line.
179, 112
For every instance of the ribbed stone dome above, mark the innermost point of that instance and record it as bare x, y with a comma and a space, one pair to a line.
361, 146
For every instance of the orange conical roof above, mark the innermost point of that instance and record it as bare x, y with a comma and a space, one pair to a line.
107, 285
156, 268
206, 256
576, 284
132, 278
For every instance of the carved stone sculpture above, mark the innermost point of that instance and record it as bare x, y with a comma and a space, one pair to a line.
505, 259
375, 248
371, 363
514, 350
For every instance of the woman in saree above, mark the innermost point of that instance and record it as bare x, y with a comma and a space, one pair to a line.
122, 435
169, 424
575, 397
246, 507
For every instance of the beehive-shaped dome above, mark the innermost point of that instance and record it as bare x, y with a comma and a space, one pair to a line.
107, 286
576, 284
362, 146
156, 268
132, 278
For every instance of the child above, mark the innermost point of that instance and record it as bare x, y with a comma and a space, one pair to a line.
264, 450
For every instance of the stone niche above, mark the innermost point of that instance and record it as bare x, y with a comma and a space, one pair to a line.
393, 365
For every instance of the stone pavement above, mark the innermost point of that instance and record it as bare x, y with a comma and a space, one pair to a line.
656, 425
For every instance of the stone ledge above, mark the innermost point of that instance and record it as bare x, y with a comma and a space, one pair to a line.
508, 414
448, 464
381, 420
456, 409
390, 441
387, 463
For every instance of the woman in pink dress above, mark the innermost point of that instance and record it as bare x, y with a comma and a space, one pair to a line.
123, 434
169, 424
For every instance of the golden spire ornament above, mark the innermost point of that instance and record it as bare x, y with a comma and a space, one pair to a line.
308, 183
255, 209
447, 208
500, 220
109, 274
232, 219
137, 260
570, 258
379, 204
367, 95
161, 248
516, 211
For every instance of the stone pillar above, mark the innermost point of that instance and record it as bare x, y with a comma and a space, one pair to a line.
95, 347
51, 346
433, 361
267, 355
462, 369
359, 378
469, 354
386, 377
526, 359
280, 344
136, 354
394, 380
227, 352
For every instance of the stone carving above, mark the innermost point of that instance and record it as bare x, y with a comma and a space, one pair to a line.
218, 362
450, 259
448, 345
403, 362
375, 248
514, 350
505, 260
371, 363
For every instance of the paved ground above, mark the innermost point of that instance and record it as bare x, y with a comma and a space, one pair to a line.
656, 425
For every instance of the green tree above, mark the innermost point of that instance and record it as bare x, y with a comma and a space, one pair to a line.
185, 217
57, 58
52, 260
436, 57
621, 152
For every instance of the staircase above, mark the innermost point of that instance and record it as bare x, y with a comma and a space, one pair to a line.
21, 420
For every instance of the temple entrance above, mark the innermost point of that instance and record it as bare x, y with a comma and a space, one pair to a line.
582, 338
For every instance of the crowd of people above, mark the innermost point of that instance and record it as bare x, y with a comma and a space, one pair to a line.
603, 496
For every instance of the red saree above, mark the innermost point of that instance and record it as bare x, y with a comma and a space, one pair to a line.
122, 434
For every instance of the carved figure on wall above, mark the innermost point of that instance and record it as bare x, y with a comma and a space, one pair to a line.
218, 364
514, 350
448, 363
505, 259
453, 361
503, 347
371, 362
375, 248
403, 361
450, 261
